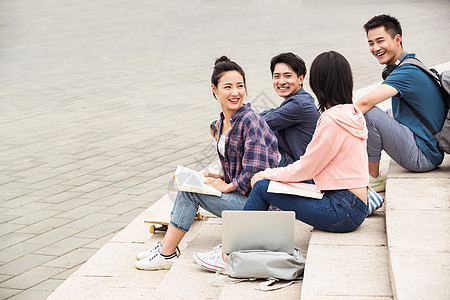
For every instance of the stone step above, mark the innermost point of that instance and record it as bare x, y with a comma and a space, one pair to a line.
418, 232
110, 273
350, 265
202, 284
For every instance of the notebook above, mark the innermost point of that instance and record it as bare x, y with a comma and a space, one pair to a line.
258, 230
189, 180
294, 188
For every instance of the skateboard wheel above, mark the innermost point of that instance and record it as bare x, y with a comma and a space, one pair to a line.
199, 216
152, 228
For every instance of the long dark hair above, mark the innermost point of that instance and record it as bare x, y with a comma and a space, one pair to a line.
331, 79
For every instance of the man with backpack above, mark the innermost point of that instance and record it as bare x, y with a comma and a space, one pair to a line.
402, 135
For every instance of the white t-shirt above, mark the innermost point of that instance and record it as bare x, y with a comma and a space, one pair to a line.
221, 145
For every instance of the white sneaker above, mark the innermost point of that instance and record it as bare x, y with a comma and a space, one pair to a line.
156, 261
211, 260
147, 253
377, 184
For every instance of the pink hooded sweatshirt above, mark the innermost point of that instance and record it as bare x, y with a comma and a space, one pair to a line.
336, 157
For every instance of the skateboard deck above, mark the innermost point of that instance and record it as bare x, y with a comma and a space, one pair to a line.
162, 226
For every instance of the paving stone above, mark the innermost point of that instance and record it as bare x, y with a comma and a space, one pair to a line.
80, 212
122, 207
68, 205
48, 285
53, 235
7, 218
24, 263
6, 293
48, 186
91, 220
31, 294
35, 217
90, 186
27, 208
18, 201
61, 197
101, 230
4, 277
103, 192
71, 259
64, 246
13, 238
81, 180
17, 251
64, 275
31, 278
131, 215
44, 226
49, 191
113, 200
6, 228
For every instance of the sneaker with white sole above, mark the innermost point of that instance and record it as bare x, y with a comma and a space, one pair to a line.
147, 253
157, 261
377, 184
211, 260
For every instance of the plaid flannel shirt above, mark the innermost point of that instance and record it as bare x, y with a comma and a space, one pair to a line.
250, 147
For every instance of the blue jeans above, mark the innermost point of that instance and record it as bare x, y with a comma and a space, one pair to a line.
186, 206
337, 211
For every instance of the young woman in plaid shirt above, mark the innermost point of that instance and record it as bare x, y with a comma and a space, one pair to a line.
246, 146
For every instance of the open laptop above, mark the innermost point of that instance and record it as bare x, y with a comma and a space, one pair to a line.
258, 230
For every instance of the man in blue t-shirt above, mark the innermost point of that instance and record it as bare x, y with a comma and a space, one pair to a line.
402, 135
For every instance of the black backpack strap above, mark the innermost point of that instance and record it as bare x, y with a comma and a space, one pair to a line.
421, 119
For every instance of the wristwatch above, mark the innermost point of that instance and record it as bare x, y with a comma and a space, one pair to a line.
213, 125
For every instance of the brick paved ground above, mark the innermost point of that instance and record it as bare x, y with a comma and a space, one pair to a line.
100, 100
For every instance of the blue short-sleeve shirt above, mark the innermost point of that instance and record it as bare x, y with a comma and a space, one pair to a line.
424, 94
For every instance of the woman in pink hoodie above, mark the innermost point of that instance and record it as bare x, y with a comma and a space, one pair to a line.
336, 157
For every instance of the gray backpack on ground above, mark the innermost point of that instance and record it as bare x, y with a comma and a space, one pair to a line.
263, 264
443, 79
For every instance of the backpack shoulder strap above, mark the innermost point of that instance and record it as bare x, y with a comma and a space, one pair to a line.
416, 62
421, 119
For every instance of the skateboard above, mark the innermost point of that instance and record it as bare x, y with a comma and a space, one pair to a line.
163, 225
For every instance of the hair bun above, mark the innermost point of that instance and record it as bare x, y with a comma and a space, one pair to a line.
221, 59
